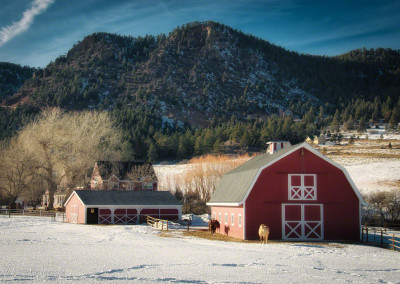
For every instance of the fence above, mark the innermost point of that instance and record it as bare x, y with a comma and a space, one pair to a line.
382, 237
158, 223
36, 213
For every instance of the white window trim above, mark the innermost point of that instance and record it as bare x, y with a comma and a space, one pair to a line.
303, 194
219, 217
233, 219
226, 218
240, 220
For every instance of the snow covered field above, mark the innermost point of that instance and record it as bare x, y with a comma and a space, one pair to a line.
372, 174
40, 250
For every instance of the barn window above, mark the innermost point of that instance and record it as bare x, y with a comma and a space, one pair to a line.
240, 220
302, 187
219, 217
147, 186
233, 219
113, 185
214, 218
226, 218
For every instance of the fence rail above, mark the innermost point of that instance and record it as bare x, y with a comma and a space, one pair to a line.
25, 212
382, 237
158, 223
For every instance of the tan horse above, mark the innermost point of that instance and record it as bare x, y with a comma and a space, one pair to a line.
263, 233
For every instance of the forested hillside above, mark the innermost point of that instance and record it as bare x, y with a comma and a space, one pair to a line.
189, 92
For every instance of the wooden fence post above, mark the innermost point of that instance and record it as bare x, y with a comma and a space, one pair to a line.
393, 242
362, 234
366, 229
381, 238
188, 225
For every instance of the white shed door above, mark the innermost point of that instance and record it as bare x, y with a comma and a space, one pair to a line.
74, 214
302, 221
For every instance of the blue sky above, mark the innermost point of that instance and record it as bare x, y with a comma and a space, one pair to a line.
34, 32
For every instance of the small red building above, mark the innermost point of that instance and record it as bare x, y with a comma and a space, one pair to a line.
120, 207
298, 192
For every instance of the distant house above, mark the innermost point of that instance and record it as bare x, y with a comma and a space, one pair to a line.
120, 207
136, 176
321, 140
59, 198
298, 192
274, 146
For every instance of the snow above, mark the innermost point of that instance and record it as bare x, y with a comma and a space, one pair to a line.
40, 250
171, 121
372, 174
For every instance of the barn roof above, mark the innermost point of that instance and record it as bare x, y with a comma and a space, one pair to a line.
105, 197
235, 185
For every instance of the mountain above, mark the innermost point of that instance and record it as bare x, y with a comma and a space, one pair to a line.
12, 77
206, 69
204, 88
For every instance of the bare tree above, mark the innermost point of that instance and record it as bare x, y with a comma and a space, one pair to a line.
143, 172
205, 173
17, 171
387, 203
67, 144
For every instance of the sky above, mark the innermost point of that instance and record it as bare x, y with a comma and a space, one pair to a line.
35, 32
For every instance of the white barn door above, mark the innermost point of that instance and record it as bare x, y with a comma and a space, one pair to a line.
302, 222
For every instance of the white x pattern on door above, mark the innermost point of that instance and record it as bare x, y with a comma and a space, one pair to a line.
301, 227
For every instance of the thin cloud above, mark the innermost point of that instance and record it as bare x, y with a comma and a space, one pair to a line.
37, 7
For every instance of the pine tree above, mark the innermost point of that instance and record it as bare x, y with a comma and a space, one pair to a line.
335, 125
152, 154
395, 118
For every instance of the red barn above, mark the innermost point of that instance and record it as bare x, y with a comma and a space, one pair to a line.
120, 207
298, 192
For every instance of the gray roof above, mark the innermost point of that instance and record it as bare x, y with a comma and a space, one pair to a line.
106, 197
235, 184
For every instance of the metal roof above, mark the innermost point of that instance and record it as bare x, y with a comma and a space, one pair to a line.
235, 184
106, 197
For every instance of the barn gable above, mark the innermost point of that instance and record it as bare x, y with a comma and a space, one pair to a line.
236, 185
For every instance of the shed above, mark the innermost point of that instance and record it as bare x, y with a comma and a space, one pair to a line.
298, 192
120, 207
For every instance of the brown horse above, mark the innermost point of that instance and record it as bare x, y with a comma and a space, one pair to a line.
213, 225
263, 233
